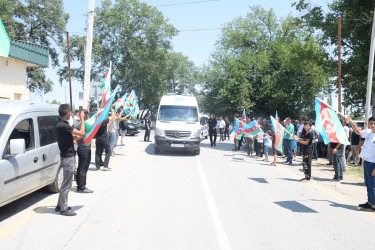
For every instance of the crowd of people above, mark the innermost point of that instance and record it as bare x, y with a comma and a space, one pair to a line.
70, 133
303, 139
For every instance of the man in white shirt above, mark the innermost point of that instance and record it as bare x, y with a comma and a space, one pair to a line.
221, 126
368, 156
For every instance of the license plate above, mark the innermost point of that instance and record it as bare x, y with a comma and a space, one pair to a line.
177, 145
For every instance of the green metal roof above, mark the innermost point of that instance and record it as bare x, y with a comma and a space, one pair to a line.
35, 55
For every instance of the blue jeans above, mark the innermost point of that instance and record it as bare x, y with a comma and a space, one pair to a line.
266, 149
368, 167
338, 163
112, 140
289, 151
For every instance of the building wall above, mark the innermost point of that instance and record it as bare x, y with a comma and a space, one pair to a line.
13, 79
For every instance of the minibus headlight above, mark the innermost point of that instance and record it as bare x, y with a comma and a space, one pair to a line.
159, 132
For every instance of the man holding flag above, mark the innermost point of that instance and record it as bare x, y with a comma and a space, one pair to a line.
288, 141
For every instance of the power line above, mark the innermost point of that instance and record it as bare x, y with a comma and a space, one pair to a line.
185, 3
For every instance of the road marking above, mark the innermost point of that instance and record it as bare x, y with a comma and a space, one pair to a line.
215, 216
327, 192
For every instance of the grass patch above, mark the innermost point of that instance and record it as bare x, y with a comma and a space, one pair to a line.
354, 171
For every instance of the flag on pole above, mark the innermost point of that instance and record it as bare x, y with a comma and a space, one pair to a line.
328, 124
279, 134
100, 116
4, 41
130, 102
252, 128
106, 85
243, 117
237, 131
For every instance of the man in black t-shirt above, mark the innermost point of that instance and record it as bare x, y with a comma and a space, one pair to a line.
65, 135
147, 128
307, 150
212, 122
354, 147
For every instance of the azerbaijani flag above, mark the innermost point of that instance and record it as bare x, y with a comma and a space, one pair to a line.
243, 117
238, 130
131, 102
100, 116
252, 128
106, 85
279, 134
276, 117
328, 124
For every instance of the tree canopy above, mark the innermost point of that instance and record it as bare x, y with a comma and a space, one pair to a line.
136, 37
357, 21
263, 64
41, 22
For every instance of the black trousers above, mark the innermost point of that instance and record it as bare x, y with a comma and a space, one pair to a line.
306, 163
260, 149
84, 158
214, 134
147, 135
102, 145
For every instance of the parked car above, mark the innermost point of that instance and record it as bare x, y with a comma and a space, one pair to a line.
132, 127
30, 157
141, 124
204, 132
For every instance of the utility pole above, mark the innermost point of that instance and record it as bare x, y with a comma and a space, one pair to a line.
86, 83
370, 74
339, 65
70, 78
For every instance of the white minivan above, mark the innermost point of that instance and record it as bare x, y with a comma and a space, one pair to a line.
177, 124
30, 157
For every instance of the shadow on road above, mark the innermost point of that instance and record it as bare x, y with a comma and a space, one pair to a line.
260, 180
335, 204
22, 204
150, 151
51, 210
295, 206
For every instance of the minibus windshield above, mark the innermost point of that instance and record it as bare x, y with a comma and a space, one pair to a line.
3, 122
178, 113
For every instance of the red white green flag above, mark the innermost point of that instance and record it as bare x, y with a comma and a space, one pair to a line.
279, 134
106, 85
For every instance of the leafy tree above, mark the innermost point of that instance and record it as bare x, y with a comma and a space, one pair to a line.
136, 37
356, 33
263, 64
41, 22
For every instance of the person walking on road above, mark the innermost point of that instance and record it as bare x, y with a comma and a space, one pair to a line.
147, 128
123, 131
306, 142
221, 124
84, 159
212, 123
65, 133
368, 156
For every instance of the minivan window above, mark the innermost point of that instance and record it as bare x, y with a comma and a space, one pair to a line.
23, 130
3, 122
178, 113
47, 132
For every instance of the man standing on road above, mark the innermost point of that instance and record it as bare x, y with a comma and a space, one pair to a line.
368, 156
354, 147
288, 141
147, 128
212, 122
84, 158
102, 144
306, 143
65, 133
248, 140
227, 127
221, 128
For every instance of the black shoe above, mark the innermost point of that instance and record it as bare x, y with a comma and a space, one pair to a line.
68, 213
85, 191
341, 178
97, 168
336, 179
212, 145
364, 205
329, 163
368, 209
58, 208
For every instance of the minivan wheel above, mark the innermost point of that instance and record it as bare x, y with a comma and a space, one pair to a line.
197, 151
56, 185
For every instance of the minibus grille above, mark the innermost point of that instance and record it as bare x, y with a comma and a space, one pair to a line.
177, 134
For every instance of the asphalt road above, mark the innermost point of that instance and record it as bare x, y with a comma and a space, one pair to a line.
218, 200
